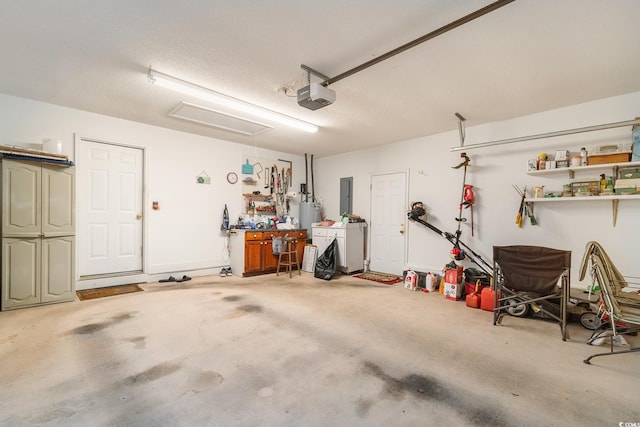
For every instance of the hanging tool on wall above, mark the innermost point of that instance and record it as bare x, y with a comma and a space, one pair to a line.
469, 200
272, 181
526, 208
284, 181
288, 175
456, 252
256, 170
521, 208
278, 179
247, 168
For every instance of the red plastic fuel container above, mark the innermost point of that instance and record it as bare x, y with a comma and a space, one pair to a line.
487, 299
473, 299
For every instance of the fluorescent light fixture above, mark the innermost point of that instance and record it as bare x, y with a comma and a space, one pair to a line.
210, 117
178, 85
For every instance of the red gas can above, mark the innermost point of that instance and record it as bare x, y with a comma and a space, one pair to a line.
473, 298
487, 299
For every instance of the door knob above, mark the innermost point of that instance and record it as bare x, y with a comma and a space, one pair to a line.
139, 216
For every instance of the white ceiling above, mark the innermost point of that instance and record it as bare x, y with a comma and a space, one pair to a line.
528, 56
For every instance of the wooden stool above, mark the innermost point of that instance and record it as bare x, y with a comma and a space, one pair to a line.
290, 251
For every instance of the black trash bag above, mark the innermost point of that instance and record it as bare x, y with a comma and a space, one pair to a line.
326, 264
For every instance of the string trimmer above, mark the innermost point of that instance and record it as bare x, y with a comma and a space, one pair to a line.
417, 214
456, 252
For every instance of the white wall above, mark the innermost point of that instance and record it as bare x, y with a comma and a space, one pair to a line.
493, 171
184, 234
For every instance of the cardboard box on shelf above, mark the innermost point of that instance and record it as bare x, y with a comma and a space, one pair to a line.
626, 173
627, 186
602, 159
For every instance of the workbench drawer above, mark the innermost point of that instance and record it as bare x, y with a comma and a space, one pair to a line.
253, 235
268, 235
300, 235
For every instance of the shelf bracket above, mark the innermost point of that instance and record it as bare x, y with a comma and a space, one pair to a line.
614, 205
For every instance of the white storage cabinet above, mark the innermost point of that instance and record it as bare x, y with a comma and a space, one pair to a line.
350, 244
38, 243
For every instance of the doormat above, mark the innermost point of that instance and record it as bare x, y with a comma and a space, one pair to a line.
107, 292
387, 279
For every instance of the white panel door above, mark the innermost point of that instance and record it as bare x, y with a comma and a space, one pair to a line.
110, 198
388, 222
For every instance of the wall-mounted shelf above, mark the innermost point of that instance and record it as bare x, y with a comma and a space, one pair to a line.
259, 197
579, 198
572, 169
614, 200
263, 203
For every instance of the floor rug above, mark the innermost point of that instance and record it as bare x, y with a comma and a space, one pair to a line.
387, 279
107, 292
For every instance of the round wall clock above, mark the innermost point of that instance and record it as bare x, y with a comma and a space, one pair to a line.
232, 178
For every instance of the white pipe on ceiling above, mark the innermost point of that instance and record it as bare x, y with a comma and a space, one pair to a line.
547, 135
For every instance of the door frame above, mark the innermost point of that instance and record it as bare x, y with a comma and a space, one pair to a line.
407, 176
103, 280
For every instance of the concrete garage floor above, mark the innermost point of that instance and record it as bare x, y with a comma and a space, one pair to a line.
274, 351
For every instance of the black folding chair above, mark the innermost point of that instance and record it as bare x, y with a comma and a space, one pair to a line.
531, 277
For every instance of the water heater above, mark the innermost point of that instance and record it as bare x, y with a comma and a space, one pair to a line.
309, 213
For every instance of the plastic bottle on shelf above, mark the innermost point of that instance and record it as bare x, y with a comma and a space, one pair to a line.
542, 158
584, 157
